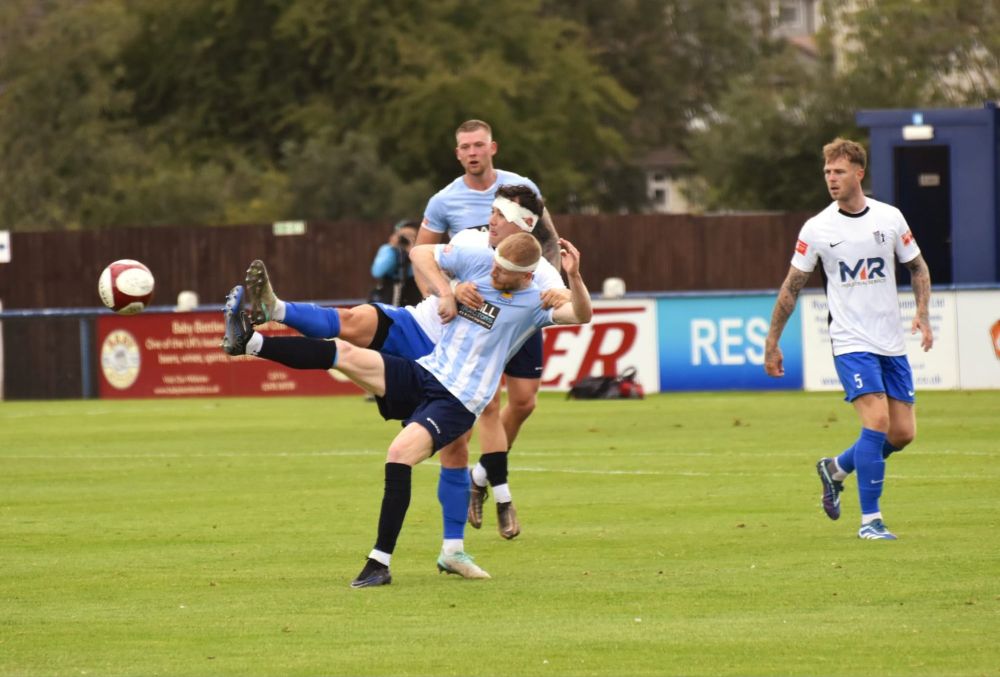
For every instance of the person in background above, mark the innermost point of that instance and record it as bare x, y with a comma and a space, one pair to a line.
463, 207
391, 268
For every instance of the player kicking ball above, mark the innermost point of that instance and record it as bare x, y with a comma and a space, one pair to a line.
438, 396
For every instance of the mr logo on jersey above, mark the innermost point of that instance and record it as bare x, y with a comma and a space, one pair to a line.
485, 315
865, 270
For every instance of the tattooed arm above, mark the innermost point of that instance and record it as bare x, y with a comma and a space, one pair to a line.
783, 309
920, 278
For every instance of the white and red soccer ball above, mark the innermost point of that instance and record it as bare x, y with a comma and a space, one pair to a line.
126, 286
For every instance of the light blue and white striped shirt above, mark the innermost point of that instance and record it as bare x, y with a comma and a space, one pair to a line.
474, 347
457, 207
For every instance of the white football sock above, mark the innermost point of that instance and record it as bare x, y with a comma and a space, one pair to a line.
452, 545
501, 493
380, 556
868, 519
254, 345
279, 310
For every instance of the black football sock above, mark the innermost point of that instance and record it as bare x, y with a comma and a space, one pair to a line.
495, 464
395, 502
299, 352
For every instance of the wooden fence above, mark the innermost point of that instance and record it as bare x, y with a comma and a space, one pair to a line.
331, 261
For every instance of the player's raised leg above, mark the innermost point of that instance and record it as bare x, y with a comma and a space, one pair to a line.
355, 325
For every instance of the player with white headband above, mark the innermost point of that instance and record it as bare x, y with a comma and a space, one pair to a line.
412, 332
439, 396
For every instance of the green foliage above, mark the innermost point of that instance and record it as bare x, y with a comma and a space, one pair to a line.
676, 57
761, 148
331, 180
678, 535
204, 111
64, 129
921, 53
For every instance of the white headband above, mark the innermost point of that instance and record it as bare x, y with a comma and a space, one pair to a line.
513, 267
520, 216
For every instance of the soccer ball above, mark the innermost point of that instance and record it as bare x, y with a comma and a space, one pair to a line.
126, 286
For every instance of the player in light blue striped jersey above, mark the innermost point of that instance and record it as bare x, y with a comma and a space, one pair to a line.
439, 396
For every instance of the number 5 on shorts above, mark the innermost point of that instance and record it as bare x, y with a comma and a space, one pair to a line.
857, 380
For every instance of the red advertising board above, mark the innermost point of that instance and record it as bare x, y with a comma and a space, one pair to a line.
178, 355
622, 334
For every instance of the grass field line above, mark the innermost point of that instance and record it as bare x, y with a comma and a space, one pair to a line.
242, 454
545, 454
514, 468
697, 473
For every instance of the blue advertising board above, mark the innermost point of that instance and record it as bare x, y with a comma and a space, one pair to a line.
717, 343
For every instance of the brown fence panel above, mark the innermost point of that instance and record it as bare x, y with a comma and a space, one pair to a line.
656, 253
652, 253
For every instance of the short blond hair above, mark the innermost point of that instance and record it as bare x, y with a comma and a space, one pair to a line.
853, 151
473, 126
521, 249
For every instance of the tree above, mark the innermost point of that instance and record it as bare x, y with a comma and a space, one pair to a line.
261, 75
761, 147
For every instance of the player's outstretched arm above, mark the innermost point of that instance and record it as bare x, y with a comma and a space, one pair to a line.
920, 279
788, 296
578, 310
425, 268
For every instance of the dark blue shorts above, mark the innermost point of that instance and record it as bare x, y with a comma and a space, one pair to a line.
413, 395
399, 334
862, 373
527, 362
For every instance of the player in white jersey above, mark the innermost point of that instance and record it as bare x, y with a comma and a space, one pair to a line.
440, 397
857, 240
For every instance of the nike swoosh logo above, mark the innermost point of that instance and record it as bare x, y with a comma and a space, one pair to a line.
834, 244
910, 393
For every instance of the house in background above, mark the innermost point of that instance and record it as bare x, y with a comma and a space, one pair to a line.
669, 182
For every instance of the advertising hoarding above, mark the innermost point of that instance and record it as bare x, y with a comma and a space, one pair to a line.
622, 334
979, 339
178, 355
717, 343
936, 369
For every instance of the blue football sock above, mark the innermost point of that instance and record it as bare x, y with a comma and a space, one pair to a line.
453, 494
846, 460
871, 469
312, 320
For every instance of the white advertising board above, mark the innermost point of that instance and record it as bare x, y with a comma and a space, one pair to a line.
933, 370
622, 334
979, 339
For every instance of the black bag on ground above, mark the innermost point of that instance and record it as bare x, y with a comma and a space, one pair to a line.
607, 387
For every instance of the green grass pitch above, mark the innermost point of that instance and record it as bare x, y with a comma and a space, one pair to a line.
680, 535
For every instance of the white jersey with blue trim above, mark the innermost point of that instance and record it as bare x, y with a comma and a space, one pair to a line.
457, 207
425, 312
857, 255
474, 347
